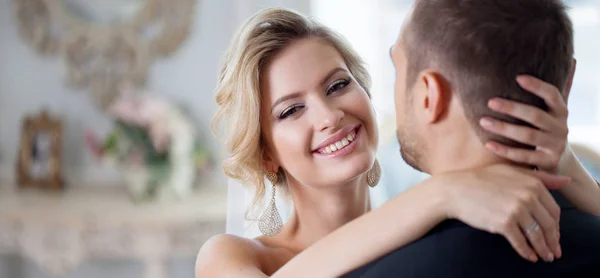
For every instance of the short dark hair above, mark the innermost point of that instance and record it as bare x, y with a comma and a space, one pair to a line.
482, 45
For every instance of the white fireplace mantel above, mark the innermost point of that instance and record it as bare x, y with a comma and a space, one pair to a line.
59, 231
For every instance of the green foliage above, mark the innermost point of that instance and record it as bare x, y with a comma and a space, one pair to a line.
141, 141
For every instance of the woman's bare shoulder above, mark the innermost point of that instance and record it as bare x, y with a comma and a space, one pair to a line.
228, 255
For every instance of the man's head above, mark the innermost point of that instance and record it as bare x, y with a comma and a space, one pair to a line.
453, 56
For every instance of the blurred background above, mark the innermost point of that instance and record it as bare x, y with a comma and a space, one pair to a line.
129, 183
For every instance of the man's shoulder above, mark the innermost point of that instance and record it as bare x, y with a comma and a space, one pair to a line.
453, 249
448, 248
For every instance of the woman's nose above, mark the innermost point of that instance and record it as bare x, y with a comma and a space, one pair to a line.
328, 117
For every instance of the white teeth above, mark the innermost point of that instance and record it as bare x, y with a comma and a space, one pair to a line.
339, 144
351, 136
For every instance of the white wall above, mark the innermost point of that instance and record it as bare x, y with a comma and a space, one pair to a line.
29, 82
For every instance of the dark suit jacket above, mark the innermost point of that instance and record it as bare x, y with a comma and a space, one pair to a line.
454, 249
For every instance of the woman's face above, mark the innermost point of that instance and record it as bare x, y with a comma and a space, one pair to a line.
318, 122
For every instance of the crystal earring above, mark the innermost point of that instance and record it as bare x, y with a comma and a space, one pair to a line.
270, 223
374, 174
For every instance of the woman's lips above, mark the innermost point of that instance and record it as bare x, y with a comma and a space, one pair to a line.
342, 147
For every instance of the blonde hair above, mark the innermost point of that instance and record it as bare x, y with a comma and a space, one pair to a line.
261, 38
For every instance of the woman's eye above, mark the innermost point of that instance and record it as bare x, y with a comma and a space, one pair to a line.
337, 85
289, 112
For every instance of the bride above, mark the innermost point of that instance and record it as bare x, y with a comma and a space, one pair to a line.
294, 108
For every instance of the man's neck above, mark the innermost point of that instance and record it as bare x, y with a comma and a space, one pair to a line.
459, 151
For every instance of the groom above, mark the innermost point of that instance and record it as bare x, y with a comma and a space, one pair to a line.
451, 58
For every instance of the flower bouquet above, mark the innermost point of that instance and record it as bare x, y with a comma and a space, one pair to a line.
155, 145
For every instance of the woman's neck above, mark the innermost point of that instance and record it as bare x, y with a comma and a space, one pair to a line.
320, 211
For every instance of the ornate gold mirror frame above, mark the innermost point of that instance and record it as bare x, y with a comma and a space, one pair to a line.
105, 43
39, 161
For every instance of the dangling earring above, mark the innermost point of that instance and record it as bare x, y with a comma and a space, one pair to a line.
270, 223
374, 174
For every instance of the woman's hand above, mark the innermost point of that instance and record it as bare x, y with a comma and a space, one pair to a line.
509, 201
550, 137
552, 153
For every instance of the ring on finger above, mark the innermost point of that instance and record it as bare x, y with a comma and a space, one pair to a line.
533, 228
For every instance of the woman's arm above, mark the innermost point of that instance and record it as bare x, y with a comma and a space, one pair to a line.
407, 217
491, 199
553, 153
396, 223
583, 191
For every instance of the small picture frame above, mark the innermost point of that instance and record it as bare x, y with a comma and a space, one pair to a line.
39, 159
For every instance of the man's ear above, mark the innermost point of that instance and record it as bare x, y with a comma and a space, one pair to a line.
436, 100
570, 82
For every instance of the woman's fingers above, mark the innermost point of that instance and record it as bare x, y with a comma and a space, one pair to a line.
549, 205
536, 237
546, 200
519, 133
539, 158
547, 92
536, 215
528, 113
513, 199
517, 240
548, 134
548, 228
552, 182
539, 215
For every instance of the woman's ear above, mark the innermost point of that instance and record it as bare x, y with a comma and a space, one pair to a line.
269, 162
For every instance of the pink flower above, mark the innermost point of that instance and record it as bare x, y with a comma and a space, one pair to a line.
138, 109
146, 111
128, 111
93, 143
160, 135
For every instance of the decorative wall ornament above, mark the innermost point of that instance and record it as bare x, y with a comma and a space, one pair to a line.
105, 43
